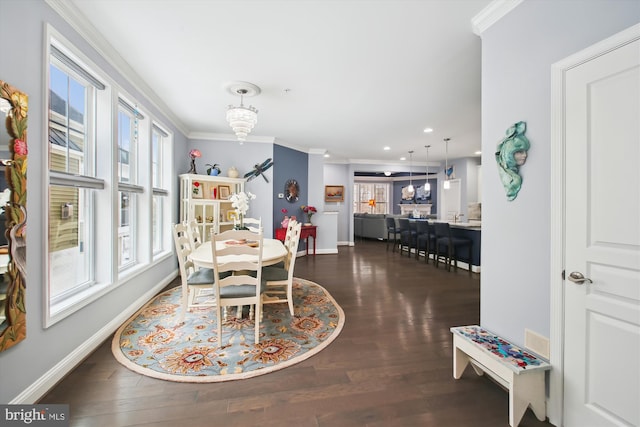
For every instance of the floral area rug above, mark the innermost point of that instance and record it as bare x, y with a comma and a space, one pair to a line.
155, 343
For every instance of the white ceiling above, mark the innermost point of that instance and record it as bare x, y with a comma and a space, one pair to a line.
348, 77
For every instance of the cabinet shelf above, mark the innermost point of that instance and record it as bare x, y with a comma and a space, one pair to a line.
200, 200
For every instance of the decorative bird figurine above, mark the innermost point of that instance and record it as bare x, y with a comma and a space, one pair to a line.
449, 171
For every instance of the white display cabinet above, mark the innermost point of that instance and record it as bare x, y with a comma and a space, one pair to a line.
205, 199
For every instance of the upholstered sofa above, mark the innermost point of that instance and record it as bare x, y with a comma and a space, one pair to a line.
371, 226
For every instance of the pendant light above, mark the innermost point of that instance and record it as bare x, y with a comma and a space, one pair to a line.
427, 186
447, 184
410, 189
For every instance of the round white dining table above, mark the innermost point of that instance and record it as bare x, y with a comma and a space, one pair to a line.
273, 251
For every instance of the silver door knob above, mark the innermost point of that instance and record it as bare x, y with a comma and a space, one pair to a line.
577, 277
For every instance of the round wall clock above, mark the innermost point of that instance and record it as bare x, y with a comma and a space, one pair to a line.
291, 191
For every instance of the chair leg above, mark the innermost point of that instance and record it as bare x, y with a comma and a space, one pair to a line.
256, 321
219, 318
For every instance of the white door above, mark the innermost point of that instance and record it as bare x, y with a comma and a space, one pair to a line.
602, 240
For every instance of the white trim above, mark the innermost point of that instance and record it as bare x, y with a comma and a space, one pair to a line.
70, 13
209, 136
42, 385
557, 249
492, 14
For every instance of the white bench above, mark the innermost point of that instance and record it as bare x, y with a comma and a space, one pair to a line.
517, 370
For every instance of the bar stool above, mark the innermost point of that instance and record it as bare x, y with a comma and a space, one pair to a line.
407, 235
451, 245
392, 230
425, 240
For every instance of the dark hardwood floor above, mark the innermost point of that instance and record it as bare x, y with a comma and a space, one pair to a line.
390, 366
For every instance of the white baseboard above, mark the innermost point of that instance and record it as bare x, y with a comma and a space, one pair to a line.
46, 382
318, 252
326, 251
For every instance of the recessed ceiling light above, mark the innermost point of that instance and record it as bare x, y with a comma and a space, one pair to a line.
403, 158
477, 153
387, 173
428, 130
327, 155
387, 148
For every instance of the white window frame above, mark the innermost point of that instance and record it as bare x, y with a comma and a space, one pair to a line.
160, 189
130, 186
105, 186
77, 65
357, 202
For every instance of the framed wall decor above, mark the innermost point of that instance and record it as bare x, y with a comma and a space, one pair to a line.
224, 191
232, 215
334, 193
291, 191
197, 190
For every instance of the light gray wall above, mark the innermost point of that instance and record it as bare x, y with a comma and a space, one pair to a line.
338, 174
21, 65
243, 157
517, 54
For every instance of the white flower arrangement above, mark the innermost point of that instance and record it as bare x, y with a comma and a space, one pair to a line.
240, 201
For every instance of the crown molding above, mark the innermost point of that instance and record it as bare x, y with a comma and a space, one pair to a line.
320, 151
209, 136
91, 35
492, 14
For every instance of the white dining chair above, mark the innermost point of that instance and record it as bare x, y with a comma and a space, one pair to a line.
191, 278
253, 224
237, 264
278, 280
193, 231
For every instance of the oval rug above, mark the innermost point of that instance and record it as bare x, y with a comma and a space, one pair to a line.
153, 342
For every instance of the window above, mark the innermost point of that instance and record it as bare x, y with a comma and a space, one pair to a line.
73, 95
128, 153
160, 205
109, 178
371, 198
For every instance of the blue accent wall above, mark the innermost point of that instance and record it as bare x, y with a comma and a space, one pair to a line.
289, 164
397, 194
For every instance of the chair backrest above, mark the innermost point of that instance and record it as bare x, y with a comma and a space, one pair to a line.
391, 223
441, 229
193, 231
292, 247
183, 250
422, 227
253, 224
240, 252
404, 224
287, 237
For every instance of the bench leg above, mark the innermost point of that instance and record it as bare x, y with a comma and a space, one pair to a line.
479, 372
525, 390
460, 362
